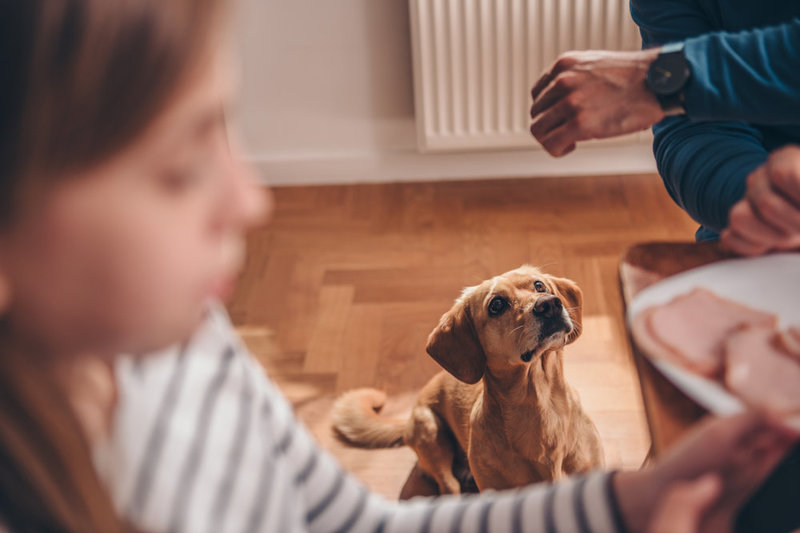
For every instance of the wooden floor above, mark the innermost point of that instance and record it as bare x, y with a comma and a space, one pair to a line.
343, 287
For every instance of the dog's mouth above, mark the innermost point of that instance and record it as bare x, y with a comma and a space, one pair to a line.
552, 336
552, 342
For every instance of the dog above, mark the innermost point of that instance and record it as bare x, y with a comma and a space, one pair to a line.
502, 400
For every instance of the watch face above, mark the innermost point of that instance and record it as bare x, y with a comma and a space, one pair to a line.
668, 73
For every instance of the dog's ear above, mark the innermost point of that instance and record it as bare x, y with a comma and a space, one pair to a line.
572, 297
454, 344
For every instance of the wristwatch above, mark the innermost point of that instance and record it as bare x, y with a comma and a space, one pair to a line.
667, 77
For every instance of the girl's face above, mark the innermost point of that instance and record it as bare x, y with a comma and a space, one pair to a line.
123, 257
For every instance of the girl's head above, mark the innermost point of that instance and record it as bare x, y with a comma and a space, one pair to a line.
122, 205
122, 210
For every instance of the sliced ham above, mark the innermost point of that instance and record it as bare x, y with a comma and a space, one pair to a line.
691, 329
642, 333
760, 372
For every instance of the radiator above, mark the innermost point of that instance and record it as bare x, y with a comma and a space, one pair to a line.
475, 62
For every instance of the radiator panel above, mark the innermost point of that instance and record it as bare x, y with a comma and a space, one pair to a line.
475, 62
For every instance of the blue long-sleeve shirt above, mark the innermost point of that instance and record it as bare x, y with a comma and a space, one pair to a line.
742, 101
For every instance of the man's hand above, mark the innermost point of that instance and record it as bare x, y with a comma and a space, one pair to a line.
768, 217
593, 95
741, 451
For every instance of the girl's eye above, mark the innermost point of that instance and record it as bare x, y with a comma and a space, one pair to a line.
539, 286
497, 306
178, 181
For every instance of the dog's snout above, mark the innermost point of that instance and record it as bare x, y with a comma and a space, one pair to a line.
547, 306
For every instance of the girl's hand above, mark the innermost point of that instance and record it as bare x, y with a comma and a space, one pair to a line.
741, 451
685, 505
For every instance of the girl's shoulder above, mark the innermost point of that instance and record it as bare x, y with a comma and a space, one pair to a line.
182, 414
213, 349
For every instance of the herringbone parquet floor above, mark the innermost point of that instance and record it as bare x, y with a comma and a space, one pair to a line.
343, 287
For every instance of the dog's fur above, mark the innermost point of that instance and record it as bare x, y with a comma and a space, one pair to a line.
503, 400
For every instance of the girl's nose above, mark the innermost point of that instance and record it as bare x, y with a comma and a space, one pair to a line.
251, 203
256, 200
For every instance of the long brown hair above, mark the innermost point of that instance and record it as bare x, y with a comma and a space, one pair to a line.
81, 79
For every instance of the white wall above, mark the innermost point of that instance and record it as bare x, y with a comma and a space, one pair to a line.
327, 97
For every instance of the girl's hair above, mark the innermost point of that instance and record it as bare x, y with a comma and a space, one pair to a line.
81, 80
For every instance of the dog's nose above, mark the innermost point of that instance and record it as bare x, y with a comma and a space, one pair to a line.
547, 306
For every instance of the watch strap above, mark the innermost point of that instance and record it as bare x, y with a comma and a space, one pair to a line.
674, 103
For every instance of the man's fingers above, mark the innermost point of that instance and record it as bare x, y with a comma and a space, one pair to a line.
788, 186
560, 87
561, 140
568, 149
543, 82
745, 221
551, 119
783, 171
561, 64
776, 211
770, 205
770, 213
739, 245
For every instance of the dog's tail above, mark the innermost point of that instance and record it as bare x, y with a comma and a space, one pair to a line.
356, 420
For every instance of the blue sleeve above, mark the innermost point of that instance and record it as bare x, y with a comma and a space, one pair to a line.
752, 75
703, 164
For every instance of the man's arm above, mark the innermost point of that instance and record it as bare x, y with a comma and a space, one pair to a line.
751, 75
704, 165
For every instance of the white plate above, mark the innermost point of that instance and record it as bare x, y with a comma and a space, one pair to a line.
770, 283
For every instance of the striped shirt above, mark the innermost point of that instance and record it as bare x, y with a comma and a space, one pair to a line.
203, 442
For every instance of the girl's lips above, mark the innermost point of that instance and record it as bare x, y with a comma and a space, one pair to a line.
232, 260
222, 288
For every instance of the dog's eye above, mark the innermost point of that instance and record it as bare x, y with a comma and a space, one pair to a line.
539, 286
497, 306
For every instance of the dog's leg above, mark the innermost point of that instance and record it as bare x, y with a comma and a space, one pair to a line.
463, 473
434, 445
557, 464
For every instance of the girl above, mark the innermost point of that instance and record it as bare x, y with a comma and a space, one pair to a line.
123, 209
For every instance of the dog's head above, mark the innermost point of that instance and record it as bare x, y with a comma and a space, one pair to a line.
507, 320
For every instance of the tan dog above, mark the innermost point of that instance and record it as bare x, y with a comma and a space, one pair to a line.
503, 399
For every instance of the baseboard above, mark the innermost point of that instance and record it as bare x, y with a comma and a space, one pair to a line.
316, 169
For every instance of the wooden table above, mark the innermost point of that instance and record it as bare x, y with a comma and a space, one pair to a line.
669, 411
